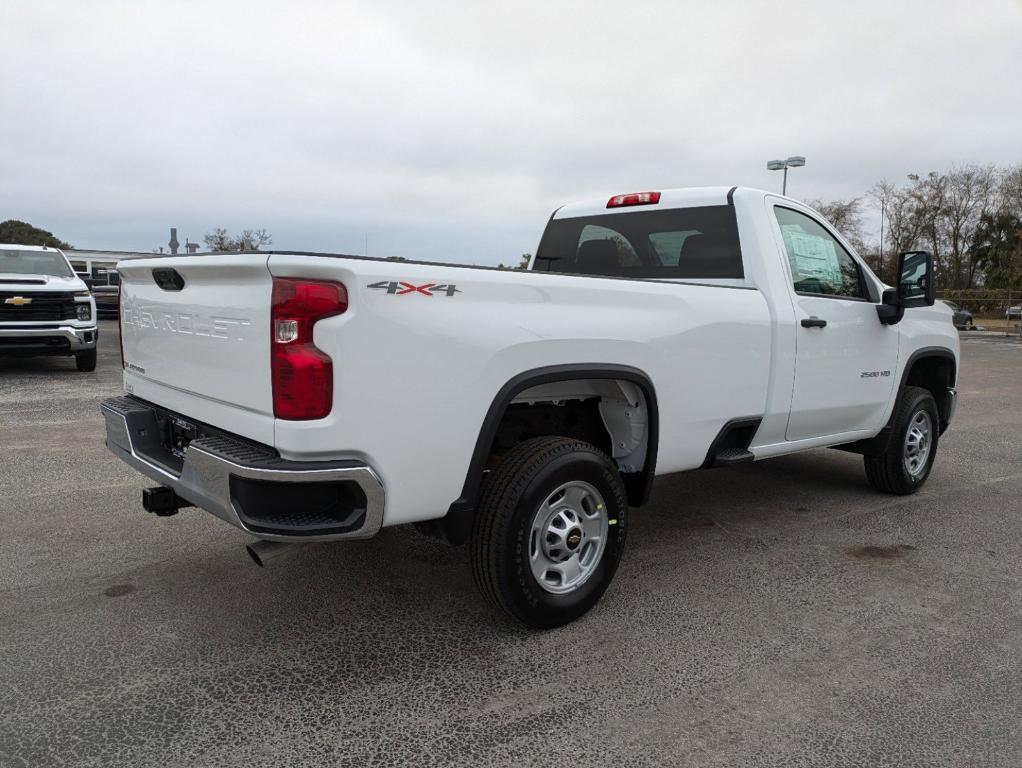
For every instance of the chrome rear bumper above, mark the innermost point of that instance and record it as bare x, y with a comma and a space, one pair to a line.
216, 466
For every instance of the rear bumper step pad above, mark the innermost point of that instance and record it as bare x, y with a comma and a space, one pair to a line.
248, 485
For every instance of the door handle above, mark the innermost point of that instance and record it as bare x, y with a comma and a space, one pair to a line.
813, 322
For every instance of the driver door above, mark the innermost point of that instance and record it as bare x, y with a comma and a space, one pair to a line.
845, 358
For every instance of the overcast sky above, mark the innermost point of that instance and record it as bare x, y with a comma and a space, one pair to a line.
450, 130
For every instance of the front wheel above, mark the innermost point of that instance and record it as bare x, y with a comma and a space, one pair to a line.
904, 466
86, 361
549, 531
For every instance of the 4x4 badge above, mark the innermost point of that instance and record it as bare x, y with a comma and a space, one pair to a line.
400, 288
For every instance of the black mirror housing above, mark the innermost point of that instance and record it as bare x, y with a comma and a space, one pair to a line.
889, 310
916, 286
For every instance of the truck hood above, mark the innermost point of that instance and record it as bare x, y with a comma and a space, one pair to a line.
40, 283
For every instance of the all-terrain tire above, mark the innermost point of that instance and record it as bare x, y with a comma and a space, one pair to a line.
524, 486
890, 471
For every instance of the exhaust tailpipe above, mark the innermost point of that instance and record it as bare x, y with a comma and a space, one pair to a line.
262, 550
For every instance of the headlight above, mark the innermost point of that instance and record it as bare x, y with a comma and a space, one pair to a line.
84, 311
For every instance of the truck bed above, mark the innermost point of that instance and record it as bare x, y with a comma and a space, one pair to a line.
423, 349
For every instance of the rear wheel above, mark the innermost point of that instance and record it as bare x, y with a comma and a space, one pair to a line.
550, 530
86, 361
905, 465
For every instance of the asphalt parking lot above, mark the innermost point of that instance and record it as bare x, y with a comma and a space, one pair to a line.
778, 614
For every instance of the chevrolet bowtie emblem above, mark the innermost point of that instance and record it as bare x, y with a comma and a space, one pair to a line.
18, 301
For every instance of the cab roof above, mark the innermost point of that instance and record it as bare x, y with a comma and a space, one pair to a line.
15, 247
684, 197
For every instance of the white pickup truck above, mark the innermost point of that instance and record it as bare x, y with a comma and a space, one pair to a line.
45, 308
316, 397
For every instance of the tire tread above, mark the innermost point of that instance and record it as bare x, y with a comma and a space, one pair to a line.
884, 470
501, 489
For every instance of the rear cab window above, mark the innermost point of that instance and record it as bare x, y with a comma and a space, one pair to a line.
676, 243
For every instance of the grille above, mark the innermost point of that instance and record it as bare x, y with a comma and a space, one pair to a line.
44, 306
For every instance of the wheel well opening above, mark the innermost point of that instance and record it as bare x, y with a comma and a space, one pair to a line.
617, 415
935, 374
579, 419
611, 414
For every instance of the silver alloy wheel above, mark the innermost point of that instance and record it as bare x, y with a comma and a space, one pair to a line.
569, 534
918, 442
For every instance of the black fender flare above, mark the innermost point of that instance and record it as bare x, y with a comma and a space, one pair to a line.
921, 354
458, 521
924, 352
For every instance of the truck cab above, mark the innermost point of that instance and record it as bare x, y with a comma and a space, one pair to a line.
834, 359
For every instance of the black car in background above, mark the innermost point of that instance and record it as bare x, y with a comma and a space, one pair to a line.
962, 318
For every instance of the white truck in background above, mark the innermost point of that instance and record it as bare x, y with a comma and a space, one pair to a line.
45, 308
316, 397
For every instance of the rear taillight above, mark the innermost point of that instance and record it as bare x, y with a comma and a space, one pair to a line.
634, 198
120, 324
302, 375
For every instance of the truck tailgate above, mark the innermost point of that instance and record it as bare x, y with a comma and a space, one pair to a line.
196, 336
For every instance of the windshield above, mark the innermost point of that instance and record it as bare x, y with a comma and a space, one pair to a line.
34, 263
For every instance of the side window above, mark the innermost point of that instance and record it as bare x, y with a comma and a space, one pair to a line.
819, 265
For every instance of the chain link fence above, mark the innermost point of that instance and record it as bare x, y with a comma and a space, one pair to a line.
998, 311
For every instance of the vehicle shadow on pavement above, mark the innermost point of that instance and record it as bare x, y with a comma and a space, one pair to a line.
37, 366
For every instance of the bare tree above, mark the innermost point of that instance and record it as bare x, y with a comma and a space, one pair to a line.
219, 240
248, 240
939, 212
1009, 197
969, 193
903, 219
254, 239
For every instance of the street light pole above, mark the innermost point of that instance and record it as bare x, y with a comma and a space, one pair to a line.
883, 209
795, 161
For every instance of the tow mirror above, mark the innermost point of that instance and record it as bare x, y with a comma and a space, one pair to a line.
916, 287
